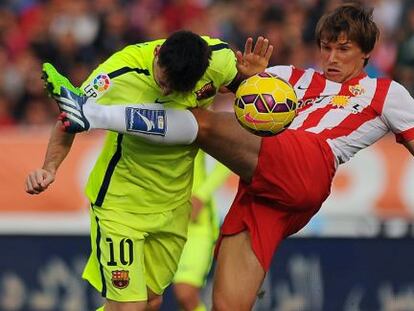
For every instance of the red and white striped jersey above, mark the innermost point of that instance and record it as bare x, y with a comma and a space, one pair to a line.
350, 115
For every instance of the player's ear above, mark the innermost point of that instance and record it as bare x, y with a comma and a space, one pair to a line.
157, 50
367, 56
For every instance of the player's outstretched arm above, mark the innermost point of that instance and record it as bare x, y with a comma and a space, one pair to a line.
59, 145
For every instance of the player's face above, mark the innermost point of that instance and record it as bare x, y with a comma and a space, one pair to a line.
160, 76
342, 60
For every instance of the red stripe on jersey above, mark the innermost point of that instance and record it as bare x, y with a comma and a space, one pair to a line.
383, 85
296, 75
354, 121
405, 136
315, 89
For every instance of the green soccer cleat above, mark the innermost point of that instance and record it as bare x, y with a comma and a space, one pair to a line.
54, 81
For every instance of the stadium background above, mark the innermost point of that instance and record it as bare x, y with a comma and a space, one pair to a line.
357, 254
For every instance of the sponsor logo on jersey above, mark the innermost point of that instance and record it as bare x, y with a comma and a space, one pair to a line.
99, 85
305, 103
339, 101
208, 90
161, 101
302, 88
120, 278
356, 89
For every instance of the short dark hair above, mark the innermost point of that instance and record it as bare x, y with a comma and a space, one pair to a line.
184, 57
352, 19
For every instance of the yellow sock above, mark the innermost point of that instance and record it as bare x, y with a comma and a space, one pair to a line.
201, 307
100, 309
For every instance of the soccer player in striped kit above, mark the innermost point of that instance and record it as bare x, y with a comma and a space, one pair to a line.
286, 178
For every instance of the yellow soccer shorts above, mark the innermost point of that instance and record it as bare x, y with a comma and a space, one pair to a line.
197, 256
130, 252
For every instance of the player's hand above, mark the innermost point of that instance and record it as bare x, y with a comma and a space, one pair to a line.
254, 60
38, 181
197, 207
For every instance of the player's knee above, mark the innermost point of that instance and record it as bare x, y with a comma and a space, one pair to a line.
222, 304
183, 296
187, 296
154, 303
126, 306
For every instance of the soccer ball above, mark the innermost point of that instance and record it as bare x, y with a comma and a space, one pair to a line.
265, 104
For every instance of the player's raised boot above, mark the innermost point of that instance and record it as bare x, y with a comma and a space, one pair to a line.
71, 108
54, 81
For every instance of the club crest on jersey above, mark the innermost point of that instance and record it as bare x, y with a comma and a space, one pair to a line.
208, 90
356, 89
99, 85
120, 278
339, 101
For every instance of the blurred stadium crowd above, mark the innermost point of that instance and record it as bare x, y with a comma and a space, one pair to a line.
77, 35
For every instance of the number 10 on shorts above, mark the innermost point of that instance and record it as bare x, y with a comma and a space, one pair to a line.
126, 252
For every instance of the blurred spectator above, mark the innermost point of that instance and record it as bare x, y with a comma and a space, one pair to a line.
404, 70
37, 113
6, 119
79, 34
115, 32
178, 13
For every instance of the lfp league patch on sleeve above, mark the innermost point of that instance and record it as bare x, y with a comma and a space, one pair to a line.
147, 121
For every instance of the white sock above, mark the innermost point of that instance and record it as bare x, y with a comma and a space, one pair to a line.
150, 121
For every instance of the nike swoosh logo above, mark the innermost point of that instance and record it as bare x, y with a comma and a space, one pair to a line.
148, 122
158, 101
300, 87
250, 119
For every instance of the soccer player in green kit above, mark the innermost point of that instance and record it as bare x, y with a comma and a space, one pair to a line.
203, 230
140, 192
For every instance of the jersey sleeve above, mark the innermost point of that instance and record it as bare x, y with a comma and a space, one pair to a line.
282, 71
223, 62
221, 72
398, 112
229, 64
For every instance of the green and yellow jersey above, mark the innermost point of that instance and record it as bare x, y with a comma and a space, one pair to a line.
131, 174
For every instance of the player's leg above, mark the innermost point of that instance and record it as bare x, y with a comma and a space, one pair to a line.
150, 121
219, 133
146, 120
238, 275
221, 136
